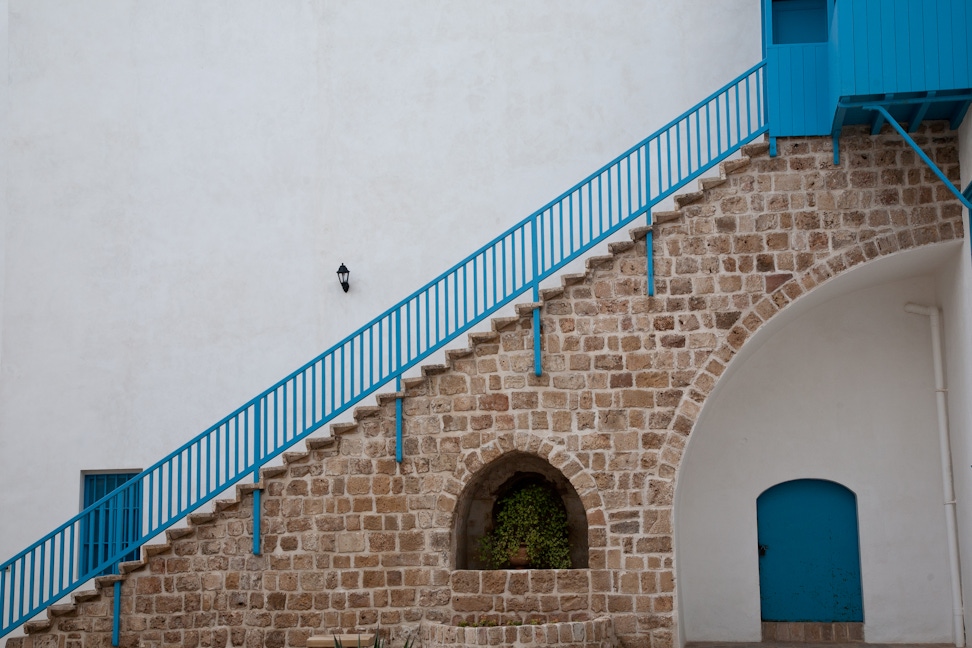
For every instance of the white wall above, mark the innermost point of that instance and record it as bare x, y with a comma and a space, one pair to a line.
4, 154
843, 391
185, 178
957, 308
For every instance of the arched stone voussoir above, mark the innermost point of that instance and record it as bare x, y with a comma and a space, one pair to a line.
784, 296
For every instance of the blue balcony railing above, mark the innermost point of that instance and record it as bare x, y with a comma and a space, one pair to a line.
394, 342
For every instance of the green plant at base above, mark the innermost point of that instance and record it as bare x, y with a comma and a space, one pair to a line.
532, 516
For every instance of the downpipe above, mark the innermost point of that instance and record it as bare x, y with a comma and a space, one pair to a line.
948, 486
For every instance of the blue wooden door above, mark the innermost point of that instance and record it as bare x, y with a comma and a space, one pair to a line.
809, 556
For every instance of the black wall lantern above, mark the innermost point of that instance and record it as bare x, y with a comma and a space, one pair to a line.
343, 274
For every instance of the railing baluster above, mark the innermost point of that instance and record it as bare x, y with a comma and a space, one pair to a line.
3, 597
43, 564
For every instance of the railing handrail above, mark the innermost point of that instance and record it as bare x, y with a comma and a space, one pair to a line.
394, 341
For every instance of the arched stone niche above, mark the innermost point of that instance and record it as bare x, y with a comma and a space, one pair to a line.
474, 513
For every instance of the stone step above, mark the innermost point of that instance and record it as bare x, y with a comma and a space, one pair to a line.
337, 429
319, 443
573, 279
295, 456
755, 149
38, 625
435, 369
526, 309
62, 610
620, 247
665, 216
366, 411
547, 294
386, 398
600, 262
130, 566
733, 166
269, 472
202, 518
156, 549
108, 580
177, 532
483, 337
681, 200
415, 382
707, 184
85, 595
456, 354
500, 323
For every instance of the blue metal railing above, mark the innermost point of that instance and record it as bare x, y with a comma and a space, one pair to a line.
516, 261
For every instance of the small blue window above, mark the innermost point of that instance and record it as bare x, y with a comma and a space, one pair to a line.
799, 21
116, 522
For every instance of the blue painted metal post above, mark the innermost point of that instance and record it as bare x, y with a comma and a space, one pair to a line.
398, 421
398, 384
258, 430
537, 361
650, 256
116, 612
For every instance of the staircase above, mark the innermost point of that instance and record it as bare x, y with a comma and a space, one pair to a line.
272, 423
90, 610
203, 585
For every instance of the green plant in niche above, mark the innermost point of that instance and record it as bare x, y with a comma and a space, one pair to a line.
534, 517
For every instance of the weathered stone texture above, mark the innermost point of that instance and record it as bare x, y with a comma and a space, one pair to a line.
352, 539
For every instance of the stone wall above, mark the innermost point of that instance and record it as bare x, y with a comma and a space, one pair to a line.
598, 633
352, 539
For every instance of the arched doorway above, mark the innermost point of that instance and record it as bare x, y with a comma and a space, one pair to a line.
809, 555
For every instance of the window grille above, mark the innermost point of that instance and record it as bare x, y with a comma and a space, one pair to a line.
116, 523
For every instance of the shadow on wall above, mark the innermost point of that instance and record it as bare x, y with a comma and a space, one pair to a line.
474, 514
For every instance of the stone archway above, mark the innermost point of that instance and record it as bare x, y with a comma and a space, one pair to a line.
477, 500
837, 386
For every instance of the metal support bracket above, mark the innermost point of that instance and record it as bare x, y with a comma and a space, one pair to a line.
257, 437
835, 129
931, 165
256, 520
920, 112
650, 256
398, 421
959, 114
116, 614
537, 360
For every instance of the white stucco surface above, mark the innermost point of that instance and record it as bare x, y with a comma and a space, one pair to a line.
957, 306
843, 391
184, 178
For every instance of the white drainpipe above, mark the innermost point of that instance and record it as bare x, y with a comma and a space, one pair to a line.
946, 456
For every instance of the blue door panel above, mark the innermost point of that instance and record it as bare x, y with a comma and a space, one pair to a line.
809, 564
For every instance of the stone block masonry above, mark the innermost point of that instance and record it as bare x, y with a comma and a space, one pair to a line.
352, 539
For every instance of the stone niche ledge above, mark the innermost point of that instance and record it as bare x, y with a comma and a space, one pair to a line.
544, 596
596, 633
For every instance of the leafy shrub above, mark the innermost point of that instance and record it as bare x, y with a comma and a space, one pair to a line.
532, 516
